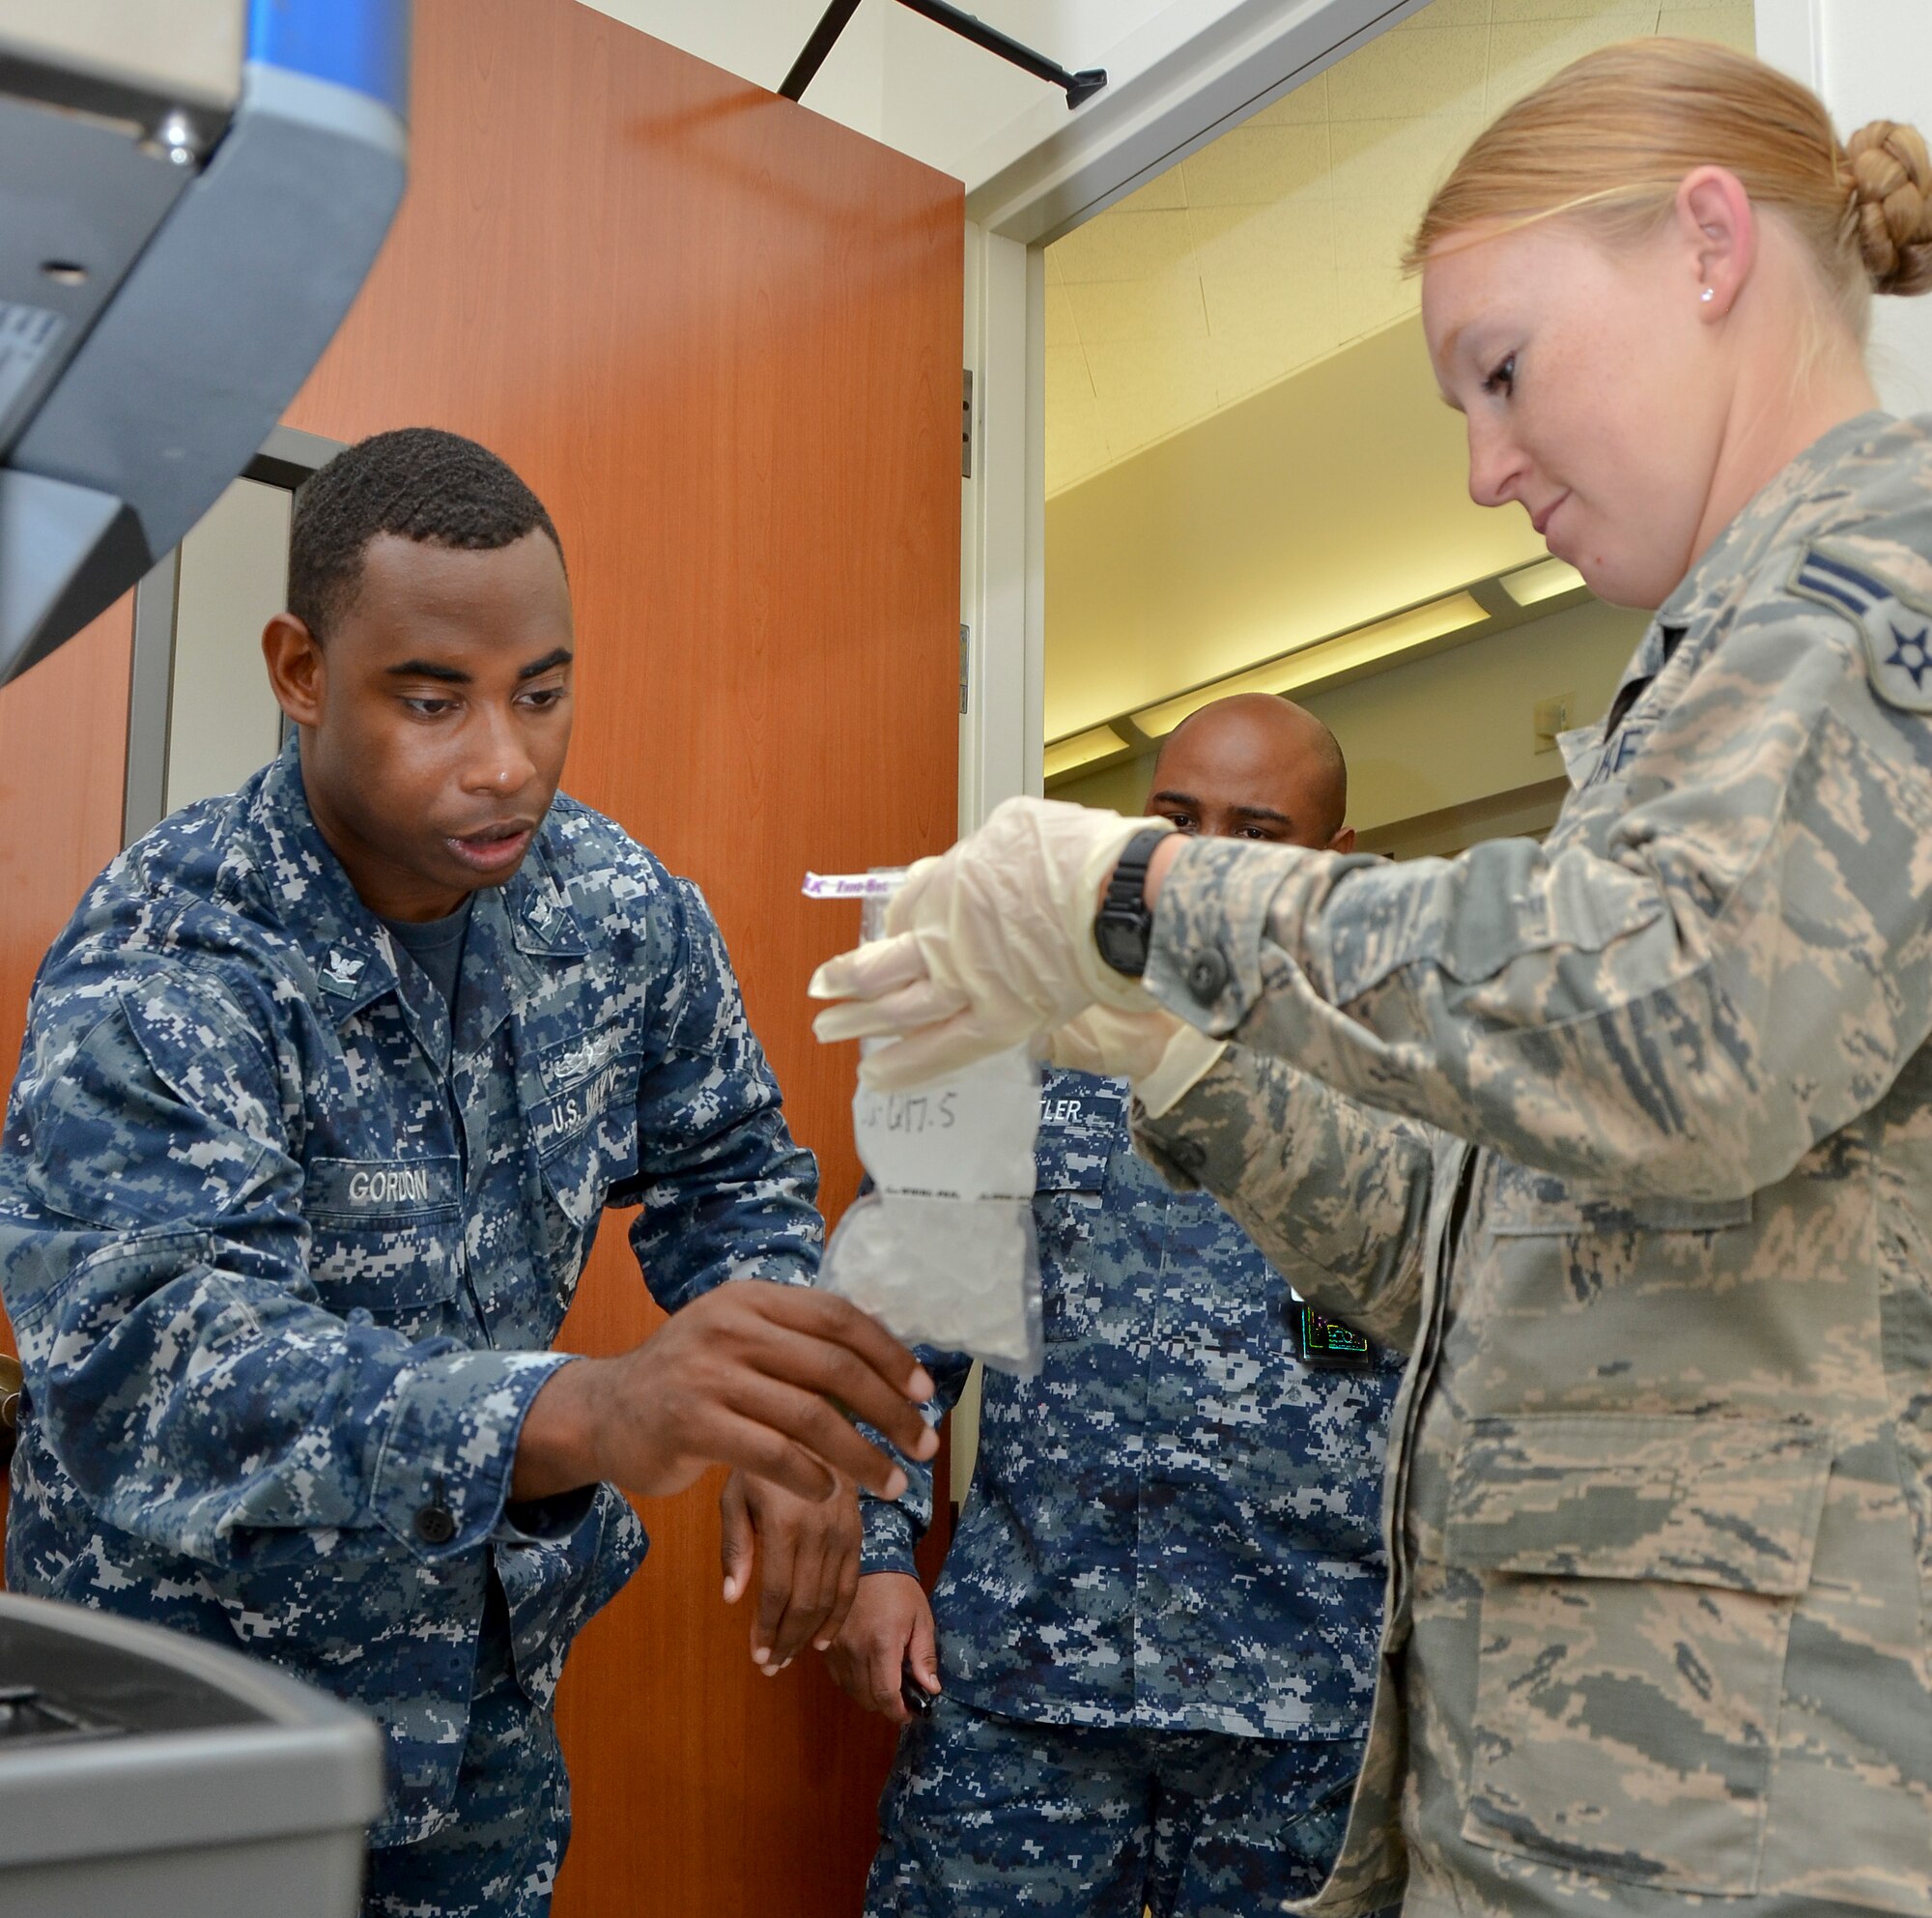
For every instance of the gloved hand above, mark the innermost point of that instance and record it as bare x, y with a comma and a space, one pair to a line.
986, 946
1160, 1056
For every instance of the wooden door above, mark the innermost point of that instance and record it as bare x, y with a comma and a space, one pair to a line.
63, 772
720, 338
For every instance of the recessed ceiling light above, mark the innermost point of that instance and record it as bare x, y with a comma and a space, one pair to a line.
1082, 749
1543, 581
1323, 659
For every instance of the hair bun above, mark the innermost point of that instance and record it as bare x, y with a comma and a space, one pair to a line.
1892, 204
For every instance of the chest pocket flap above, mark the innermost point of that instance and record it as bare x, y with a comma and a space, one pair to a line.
382, 1232
1528, 1204
1698, 1500
582, 1101
1638, 1576
1080, 1120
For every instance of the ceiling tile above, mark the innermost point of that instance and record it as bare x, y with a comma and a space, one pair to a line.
1061, 328
1446, 14
1501, 11
1249, 240
1122, 246
1305, 105
1403, 75
1134, 373
1076, 445
1370, 235
1295, 309
1155, 415
1523, 53
1366, 301
1163, 191
1254, 165
1402, 160
1246, 362
1068, 381
1280, 243
1110, 311
1731, 24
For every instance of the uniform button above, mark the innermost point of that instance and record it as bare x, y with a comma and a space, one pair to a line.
436, 1525
1207, 975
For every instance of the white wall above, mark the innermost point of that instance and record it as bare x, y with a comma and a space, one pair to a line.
1871, 60
758, 40
902, 79
223, 722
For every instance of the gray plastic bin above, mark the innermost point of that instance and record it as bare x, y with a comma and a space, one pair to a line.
144, 1774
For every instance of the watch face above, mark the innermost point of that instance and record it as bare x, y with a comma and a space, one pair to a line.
1123, 939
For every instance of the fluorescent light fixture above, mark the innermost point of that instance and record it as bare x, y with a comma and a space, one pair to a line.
1543, 581
1082, 749
1366, 645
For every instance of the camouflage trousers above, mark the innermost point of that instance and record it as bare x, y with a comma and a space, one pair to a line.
987, 1816
499, 1859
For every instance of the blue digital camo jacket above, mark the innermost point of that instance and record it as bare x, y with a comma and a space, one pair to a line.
285, 1254
1176, 1524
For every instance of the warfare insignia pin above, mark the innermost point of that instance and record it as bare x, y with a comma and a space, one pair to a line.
1897, 629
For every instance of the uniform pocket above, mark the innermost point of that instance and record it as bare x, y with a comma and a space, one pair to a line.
583, 1115
1079, 1132
384, 1235
1066, 1224
1638, 1576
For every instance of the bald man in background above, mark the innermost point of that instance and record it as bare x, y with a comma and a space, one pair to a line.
1145, 1676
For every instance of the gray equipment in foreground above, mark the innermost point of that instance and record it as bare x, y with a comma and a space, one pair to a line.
144, 1774
190, 196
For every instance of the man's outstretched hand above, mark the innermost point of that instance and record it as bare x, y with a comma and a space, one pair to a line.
764, 1377
805, 1554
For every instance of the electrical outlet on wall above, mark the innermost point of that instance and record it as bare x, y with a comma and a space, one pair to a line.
1550, 717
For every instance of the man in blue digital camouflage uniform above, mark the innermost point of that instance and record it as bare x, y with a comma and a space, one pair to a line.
1156, 1629
324, 1092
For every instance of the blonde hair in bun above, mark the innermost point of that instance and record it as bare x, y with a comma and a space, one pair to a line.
1610, 137
1890, 187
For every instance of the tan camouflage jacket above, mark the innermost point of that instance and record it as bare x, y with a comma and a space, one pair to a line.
1659, 1495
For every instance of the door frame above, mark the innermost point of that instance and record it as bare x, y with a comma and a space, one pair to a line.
1255, 53
287, 459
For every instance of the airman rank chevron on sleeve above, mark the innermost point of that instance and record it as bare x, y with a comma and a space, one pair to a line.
1897, 629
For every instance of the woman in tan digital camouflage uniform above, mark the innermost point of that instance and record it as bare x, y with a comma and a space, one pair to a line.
1658, 1211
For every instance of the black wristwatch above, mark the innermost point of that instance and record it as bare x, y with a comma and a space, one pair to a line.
1124, 922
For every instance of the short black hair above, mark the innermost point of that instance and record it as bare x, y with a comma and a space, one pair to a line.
418, 482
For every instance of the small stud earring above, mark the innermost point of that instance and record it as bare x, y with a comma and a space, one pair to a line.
1708, 295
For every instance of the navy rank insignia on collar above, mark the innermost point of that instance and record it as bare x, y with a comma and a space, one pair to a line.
341, 974
1897, 629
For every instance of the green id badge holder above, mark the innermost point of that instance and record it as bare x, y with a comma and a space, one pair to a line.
1323, 1344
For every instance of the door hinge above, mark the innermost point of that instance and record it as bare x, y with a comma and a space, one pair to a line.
966, 425
965, 667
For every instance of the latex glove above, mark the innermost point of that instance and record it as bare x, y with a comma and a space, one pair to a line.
1160, 1056
986, 946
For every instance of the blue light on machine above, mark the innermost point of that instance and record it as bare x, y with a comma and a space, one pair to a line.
362, 45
